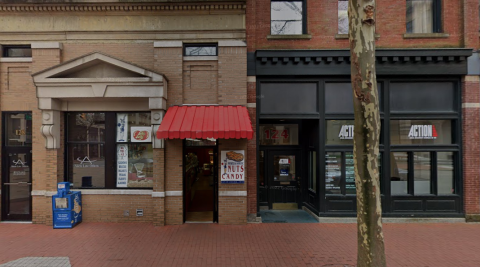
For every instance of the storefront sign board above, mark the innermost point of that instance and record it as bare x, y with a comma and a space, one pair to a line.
233, 167
141, 134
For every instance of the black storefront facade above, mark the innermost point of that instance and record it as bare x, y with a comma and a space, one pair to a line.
305, 124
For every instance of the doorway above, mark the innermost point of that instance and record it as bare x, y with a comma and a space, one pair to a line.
17, 167
283, 173
200, 181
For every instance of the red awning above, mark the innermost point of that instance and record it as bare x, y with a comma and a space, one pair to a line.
206, 122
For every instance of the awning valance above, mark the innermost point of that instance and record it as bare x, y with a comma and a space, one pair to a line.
206, 122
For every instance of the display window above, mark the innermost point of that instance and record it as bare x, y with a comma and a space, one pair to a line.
109, 150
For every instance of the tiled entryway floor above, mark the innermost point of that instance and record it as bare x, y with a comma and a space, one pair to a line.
286, 216
265, 244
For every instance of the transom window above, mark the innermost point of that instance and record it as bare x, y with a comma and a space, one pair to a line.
423, 16
17, 51
287, 17
200, 50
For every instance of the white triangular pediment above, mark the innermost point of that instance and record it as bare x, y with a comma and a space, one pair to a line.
96, 67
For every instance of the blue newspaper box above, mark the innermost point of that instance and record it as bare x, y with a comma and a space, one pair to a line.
67, 207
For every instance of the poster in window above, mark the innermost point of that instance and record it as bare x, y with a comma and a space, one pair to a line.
233, 167
122, 127
141, 134
122, 165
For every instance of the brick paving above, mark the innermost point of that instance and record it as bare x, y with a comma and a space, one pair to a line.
282, 244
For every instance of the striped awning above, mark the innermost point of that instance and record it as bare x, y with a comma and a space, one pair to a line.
227, 122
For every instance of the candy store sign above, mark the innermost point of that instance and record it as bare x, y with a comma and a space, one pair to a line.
233, 167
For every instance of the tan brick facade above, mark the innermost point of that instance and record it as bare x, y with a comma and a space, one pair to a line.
217, 80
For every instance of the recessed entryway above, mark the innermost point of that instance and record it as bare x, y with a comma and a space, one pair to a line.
200, 181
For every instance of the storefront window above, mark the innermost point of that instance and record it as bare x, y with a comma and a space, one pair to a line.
349, 174
135, 159
422, 172
399, 173
200, 142
87, 165
333, 172
445, 173
109, 150
278, 134
421, 132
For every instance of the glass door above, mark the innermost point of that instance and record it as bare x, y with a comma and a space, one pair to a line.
284, 180
17, 171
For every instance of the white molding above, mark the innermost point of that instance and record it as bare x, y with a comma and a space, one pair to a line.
470, 105
200, 58
251, 105
251, 79
43, 193
158, 194
114, 192
158, 44
47, 45
174, 193
16, 59
232, 193
231, 43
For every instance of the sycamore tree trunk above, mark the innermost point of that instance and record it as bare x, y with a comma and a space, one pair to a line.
361, 16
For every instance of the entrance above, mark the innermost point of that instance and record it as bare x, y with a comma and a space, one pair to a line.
284, 181
17, 171
200, 181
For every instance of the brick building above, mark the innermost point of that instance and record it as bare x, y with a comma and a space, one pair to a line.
299, 94
84, 88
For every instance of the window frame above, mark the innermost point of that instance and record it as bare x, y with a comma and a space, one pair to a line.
436, 17
304, 17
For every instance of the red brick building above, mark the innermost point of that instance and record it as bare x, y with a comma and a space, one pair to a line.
299, 94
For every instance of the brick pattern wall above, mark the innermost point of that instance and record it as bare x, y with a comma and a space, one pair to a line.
232, 209
173, 181
110, 208
200, 84
252, 165
471, 23
41, 210
322, 24
471, 142
168, 61
140, 54
232, 75
159, 186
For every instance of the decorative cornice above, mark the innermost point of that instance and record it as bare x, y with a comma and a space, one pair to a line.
122, 7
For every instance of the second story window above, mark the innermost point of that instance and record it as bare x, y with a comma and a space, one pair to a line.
200, 50
423, 16
17, 51
343, 16
287, 17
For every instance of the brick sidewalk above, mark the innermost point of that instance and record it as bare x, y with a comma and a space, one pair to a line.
137, 244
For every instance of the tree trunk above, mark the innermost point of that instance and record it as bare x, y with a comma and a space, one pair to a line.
361, 15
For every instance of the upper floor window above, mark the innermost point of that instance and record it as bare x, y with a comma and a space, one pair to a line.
343, 16
200, 50
423, 16
287, 17
16, 51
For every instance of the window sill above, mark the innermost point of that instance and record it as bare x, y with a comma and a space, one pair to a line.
425, 35
200, 58
115, 191
16, 59
289, 37
340, 36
